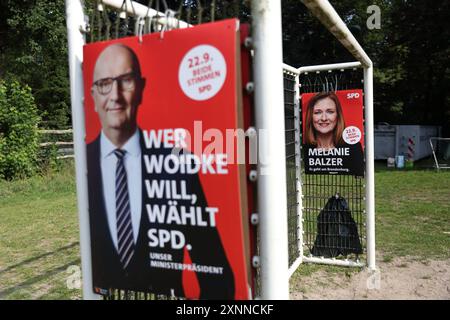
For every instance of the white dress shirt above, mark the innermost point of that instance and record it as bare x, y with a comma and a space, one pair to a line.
132, 162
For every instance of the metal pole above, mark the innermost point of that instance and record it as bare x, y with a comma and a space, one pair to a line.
75, 26
298, 170
434, 154
334, 262
291, 69
370, 173
140, 10
269, 107
325, 12
333, 66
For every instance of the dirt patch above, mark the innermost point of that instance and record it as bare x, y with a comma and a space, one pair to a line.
401, 278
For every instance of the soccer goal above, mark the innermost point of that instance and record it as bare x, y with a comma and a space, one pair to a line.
311, 238
308, 194
441, 152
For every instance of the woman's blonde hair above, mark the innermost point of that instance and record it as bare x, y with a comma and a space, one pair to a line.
310, 133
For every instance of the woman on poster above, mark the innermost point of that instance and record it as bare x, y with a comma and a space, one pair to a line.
328, 146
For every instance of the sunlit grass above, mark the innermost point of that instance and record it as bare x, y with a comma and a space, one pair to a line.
39, 236
39, 228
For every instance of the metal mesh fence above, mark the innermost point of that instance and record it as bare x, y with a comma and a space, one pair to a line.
317, 189
106, 23
291, 177
333, 80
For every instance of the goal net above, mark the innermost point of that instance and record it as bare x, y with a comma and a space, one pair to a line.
441, 152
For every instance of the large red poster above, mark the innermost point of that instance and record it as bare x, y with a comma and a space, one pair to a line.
333, 132
161, 122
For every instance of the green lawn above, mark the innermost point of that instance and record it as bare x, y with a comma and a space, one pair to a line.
413, 213
39, 228
39, 236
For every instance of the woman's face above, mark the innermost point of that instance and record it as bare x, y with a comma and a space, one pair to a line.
324, 116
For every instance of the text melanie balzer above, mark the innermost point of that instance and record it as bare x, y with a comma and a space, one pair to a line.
317, 152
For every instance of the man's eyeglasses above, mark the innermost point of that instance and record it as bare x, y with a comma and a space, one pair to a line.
126, 82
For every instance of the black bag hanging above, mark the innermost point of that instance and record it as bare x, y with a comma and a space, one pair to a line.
337, 232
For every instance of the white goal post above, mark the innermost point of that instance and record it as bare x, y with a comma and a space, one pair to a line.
323, 10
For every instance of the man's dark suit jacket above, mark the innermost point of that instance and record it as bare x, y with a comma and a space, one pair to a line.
206, 245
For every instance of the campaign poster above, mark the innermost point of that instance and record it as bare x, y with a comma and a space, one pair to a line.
333, 132
167, 192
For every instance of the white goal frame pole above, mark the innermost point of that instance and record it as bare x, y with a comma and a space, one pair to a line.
269, 116
329, 67
325, 12
370, 167
75, 28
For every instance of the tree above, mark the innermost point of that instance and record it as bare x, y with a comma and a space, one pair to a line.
34, 50
410, 54
18, 130
419, 49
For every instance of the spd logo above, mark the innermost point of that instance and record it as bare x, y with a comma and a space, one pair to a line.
353, 95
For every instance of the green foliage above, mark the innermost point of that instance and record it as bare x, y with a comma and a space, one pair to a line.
48, 159
48, 154
410, 54
18, 130
34, 50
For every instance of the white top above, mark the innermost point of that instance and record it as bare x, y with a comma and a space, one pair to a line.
132, 162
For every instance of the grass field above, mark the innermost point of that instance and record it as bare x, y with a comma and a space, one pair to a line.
413, 213
39, 228
39, 236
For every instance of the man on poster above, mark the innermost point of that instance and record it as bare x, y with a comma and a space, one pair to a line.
125, 235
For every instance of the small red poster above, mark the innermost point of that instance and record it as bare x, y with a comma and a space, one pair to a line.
333, 132
167, 202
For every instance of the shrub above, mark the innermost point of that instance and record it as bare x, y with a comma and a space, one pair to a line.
48, 155
18, 130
